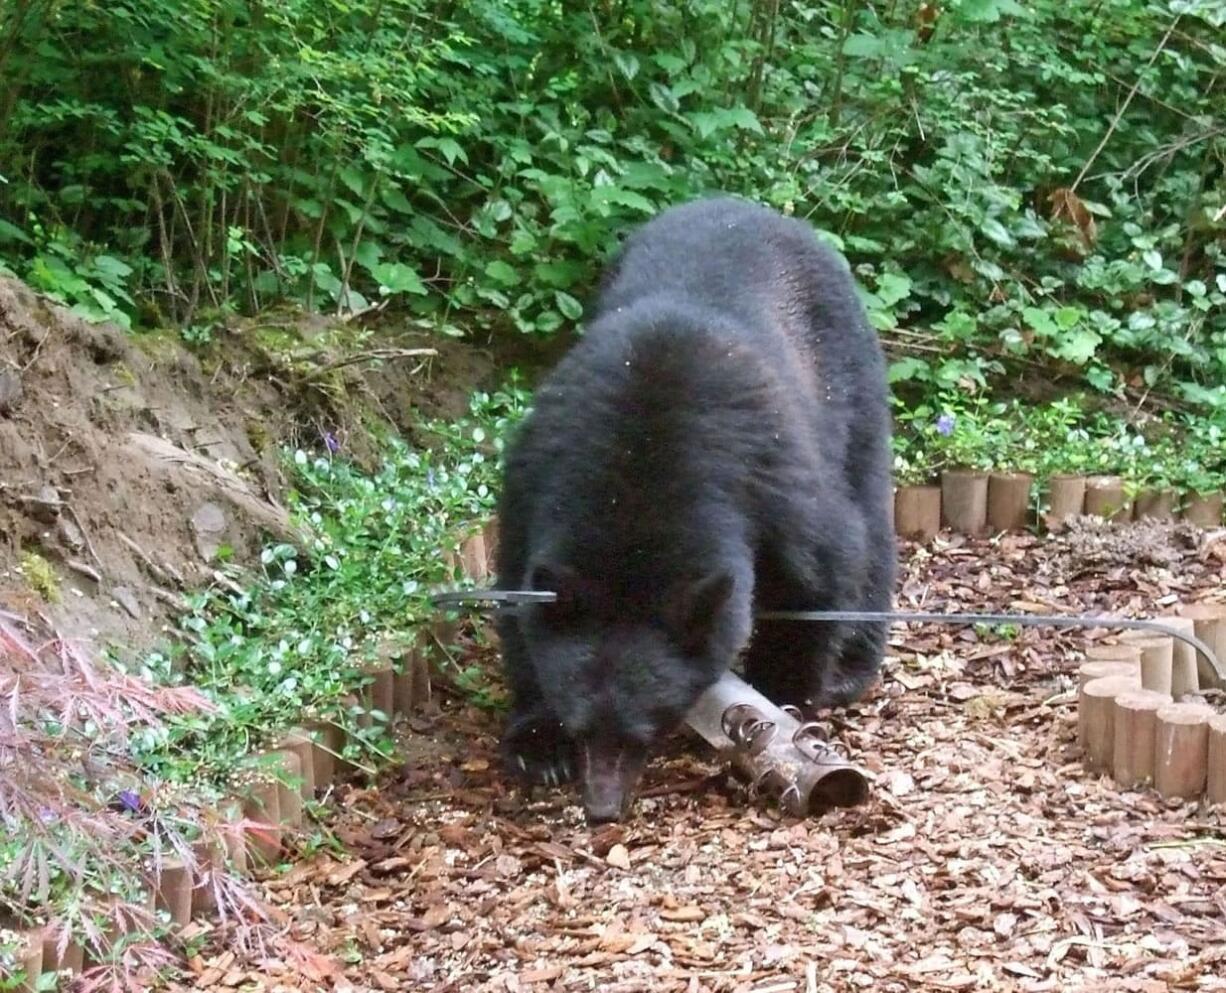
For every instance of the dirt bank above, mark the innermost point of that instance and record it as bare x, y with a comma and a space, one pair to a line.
132, 467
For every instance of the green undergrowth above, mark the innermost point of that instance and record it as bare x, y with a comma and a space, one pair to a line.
298, 641
1181, 452
260, 652
1023, 189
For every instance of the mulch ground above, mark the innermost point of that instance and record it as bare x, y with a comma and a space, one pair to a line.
987, 857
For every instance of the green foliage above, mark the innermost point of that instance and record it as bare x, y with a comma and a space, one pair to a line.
256, 655
40, 576
1015, 184
295, 644
1184, 453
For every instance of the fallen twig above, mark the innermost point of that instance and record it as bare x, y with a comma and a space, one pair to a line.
85, 570
164, 574
89, 545
374, 355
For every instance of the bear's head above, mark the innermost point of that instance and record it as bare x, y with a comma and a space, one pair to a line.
619, 669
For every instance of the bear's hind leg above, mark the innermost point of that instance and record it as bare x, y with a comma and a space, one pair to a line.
787, 660
862, 646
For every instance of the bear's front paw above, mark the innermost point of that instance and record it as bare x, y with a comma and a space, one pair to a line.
538, 750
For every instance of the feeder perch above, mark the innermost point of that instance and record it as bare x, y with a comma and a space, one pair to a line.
778, 753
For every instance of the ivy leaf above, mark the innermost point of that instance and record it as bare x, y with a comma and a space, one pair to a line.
997, 232
907, 369
602, 195
1152, 258
1039, 321
988, 11
326, 279
1101, 378
10, 232
892, 287
396, 200
502, 272
571, 308
1078, 347
863, 46
664, 98
743, 118
368, 255
627, 63
1068, 317
708, 122
396, 277
671, 64
449, 147
353, 179
112, 266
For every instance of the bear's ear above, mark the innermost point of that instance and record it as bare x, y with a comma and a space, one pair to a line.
695, 608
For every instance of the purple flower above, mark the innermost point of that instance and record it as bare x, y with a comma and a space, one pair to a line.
129, 800
46, 815
331, 442
945, 424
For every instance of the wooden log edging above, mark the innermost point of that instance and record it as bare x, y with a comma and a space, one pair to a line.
1139, 718
974, 503
301, 766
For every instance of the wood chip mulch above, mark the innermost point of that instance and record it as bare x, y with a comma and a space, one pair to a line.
987, 858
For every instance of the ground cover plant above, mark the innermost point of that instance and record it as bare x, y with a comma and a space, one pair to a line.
1068, 436
160, 739
258, 653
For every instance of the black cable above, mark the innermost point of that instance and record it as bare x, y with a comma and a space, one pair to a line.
1024, 620
513, 599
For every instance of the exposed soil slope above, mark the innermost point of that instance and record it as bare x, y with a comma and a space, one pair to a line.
131, 466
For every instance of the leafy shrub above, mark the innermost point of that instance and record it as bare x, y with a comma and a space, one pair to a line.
1019, 187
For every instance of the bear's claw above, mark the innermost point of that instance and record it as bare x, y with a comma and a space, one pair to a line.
539, 752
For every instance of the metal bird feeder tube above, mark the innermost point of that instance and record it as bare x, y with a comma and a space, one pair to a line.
778, 753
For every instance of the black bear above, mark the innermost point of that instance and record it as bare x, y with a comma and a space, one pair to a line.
717, 443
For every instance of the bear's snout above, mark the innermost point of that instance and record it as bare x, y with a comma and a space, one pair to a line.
610, 777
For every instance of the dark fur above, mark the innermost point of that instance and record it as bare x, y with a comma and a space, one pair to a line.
717, 443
